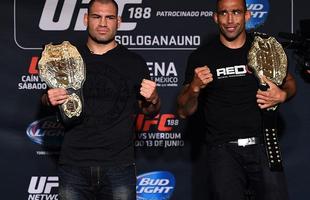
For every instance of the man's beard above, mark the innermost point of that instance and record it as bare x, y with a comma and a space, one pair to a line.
230, 38
101, 41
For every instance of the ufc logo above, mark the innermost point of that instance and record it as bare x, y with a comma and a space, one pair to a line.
47, 22
33, 67
42, 185
162, 122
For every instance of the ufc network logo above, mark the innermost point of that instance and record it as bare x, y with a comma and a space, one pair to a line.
65, 19
43, 184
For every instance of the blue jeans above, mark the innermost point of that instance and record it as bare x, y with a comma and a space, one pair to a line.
97, 183
239, 173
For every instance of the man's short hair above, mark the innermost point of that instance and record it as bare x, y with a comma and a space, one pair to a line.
90, 4
244, 4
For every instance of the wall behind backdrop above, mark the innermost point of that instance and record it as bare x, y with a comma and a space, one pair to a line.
170, 151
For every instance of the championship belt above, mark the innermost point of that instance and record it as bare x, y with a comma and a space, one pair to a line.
61, 66
267, 57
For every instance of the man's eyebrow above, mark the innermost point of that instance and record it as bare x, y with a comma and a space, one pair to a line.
223, 10
110, 16
98, 15
233, 10
94, 14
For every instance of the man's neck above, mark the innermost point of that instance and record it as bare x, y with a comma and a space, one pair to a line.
99, 49
234, 44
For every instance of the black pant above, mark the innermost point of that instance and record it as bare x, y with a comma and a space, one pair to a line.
86, 183
236, 173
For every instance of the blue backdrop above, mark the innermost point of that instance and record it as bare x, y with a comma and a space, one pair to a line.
170, 151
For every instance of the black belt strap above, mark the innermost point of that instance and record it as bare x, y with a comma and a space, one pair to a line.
271, 141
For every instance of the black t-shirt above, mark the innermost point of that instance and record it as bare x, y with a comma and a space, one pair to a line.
111, 94
229, 102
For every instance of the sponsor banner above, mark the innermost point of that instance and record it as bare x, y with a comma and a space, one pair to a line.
259, 11
48, 133
58, 20
160, 131
158, 185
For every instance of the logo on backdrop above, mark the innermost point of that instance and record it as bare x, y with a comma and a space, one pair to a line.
163, 73
32, 81
47, 132
158, 185
57, 20
47, 21
158, 131
43, 187
259, 12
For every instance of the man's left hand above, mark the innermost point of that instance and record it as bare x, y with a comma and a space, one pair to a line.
148, 91
271, 97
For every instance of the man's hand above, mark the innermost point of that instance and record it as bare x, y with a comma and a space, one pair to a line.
57, 96
148, 91
271, 97
202, 78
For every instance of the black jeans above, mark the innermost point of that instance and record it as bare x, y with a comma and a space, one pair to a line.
97, 183
239, 173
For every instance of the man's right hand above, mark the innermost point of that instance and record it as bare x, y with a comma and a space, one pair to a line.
57, 96
202, 78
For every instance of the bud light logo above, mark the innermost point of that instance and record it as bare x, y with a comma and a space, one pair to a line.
47, 132
259, 11
155, 186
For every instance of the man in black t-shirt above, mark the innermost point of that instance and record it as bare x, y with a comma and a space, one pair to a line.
218, 80
97, 155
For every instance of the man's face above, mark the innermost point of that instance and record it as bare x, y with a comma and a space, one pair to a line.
231, 17
102, 22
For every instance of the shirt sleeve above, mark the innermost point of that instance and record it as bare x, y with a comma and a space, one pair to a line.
189, 72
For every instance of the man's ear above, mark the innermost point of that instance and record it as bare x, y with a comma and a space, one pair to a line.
119, 21
215, 17
247, 15
85, 20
